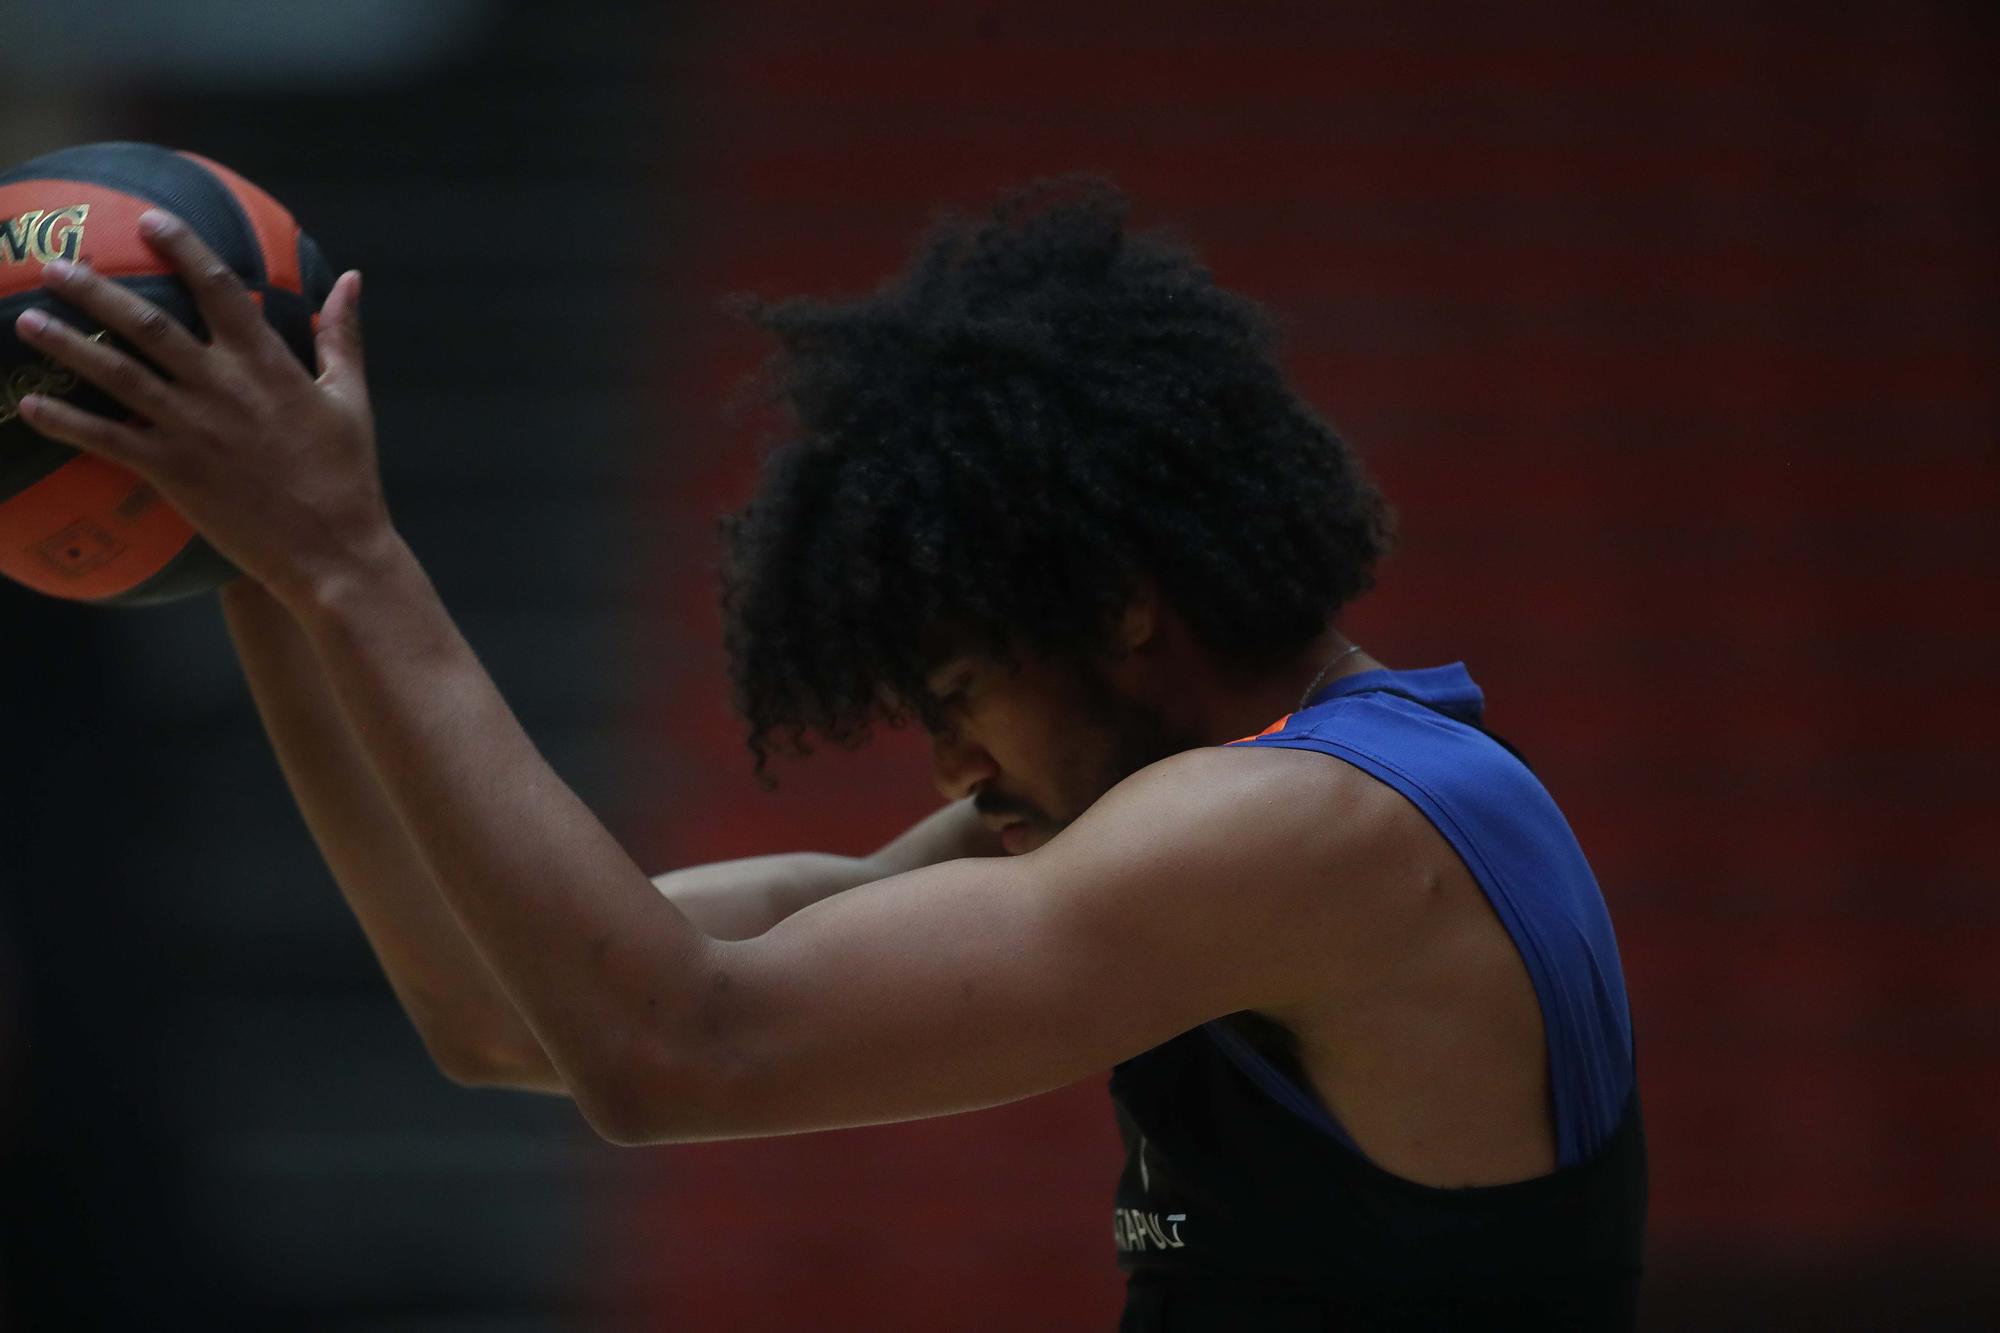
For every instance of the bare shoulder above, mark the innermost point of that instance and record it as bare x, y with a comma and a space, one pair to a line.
1259, 805
1304, 865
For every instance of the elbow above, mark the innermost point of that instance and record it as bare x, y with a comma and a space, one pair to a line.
622, 1117
641, 1103
498, 1062
618, 1129
657, 1068
469, 1072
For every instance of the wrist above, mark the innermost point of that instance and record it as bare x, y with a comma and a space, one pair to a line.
373, 570
245, 595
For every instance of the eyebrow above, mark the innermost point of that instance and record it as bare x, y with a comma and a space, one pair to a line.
962, 665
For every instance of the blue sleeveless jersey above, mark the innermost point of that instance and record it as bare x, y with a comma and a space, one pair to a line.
1243, 1203
1519, 848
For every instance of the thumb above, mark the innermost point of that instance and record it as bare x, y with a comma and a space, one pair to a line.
337, 332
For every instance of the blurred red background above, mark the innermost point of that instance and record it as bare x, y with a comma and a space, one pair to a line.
1672, 338
1671, 332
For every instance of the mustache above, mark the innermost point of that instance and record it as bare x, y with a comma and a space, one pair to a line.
990, 806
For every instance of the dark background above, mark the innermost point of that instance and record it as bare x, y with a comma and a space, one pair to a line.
1671, 333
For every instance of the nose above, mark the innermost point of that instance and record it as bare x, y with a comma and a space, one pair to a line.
959, 765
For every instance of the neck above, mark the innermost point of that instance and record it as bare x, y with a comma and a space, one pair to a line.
1245, 707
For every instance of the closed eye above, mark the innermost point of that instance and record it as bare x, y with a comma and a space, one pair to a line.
958, 686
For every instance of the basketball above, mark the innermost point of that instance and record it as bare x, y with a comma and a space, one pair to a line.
73, 525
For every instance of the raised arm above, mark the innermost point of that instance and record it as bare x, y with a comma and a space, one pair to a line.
468, 1024
959, 985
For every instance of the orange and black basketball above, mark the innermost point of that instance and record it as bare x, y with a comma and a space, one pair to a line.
73, 525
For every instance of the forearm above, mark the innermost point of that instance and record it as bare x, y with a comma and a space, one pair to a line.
741, 899
738, 900
948, 833
590, 953
465, 1018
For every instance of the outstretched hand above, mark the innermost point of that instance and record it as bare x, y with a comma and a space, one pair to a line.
276, 468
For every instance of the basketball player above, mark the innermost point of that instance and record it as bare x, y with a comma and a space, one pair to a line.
1046, 494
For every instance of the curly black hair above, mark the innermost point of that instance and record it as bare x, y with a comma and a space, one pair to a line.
993, 449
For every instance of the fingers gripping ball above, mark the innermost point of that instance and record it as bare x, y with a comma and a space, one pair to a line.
73, 525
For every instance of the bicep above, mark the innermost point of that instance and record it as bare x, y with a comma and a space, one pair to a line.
978, 982
942, 990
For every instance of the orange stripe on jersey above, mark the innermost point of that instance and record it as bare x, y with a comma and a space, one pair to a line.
1279, 725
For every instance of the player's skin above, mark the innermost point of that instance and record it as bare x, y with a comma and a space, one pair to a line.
464, 1016
530, 949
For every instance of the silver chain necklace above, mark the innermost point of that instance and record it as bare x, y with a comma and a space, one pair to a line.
1331, 663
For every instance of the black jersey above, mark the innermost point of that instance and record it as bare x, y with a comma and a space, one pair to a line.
1244, 1205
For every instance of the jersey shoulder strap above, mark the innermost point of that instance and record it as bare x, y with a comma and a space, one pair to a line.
1503, 742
